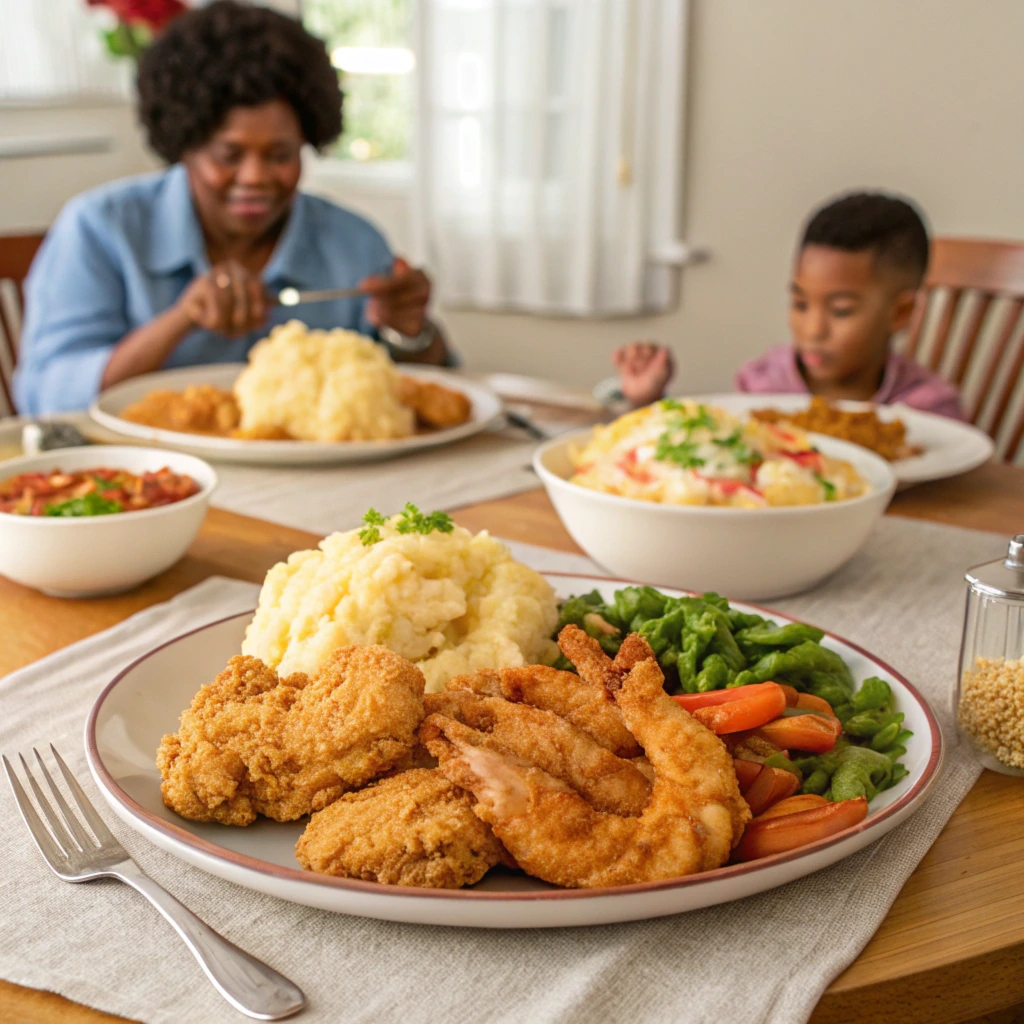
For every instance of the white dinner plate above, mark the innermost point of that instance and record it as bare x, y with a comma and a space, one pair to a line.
134, 711
107, 408
949, 446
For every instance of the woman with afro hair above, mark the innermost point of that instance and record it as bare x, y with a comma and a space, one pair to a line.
179, 267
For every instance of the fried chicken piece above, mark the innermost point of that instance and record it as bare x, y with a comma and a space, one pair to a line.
253, 743
199, 409
861, 426
693, 819
435, 405
608, 782
584, 703
415, 828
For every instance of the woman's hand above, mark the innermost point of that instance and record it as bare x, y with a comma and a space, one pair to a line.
399, 301
227, 299
645, 369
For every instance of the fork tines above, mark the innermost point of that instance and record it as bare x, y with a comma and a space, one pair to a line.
67, 838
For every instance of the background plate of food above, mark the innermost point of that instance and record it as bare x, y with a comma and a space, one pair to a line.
304, 397
229, 783
919, 445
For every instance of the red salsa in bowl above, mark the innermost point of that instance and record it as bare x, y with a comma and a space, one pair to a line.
92, 492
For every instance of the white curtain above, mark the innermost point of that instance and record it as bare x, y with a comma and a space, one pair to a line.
549, 152
53, 49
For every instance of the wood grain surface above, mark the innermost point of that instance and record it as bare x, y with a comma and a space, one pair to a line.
951, 948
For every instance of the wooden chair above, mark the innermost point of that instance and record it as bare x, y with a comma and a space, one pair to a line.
969, 326
16, 254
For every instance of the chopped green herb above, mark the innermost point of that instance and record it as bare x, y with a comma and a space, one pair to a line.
91, 504
370, 533
742, 454
683, 454
103, 483
702, 419
409, 520
828, 487
672, 405
412, 520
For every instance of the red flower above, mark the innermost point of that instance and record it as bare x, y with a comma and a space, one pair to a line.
154, 14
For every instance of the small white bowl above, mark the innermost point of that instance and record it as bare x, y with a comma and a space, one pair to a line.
744, 553
92, 555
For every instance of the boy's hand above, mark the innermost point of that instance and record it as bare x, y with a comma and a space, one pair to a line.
645, 369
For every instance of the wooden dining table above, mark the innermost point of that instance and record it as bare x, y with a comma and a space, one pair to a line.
951, 948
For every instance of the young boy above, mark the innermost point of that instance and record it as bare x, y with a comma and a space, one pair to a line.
861, 261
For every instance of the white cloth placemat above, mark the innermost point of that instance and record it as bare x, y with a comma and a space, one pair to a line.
765, 959
323, 499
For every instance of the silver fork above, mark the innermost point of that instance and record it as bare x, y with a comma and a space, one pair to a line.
76, 856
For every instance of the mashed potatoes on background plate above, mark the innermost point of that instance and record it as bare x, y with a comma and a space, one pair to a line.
681, 452
451, 602
322, 386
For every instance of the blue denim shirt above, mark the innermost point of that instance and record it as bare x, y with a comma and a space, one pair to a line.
120, 255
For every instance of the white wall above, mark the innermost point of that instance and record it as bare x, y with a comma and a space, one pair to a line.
790, 101
33, 188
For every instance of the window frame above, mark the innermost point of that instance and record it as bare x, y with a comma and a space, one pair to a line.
369, 178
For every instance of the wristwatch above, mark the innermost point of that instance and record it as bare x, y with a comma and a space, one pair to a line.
409, 344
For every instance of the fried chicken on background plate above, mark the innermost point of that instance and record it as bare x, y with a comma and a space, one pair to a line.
253, 743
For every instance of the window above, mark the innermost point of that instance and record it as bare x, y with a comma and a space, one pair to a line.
370, 45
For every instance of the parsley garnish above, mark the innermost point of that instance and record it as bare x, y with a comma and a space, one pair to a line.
741, 453
409, 520
370, 533
91, 504
827, 486
683, 454
702, 419
412, 520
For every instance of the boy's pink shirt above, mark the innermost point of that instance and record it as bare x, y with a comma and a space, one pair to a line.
904, 381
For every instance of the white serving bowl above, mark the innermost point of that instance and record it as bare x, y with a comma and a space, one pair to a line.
92, 555
745, 553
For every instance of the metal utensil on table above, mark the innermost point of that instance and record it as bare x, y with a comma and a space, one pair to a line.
75, 855
522, 423
48, 436
293, 297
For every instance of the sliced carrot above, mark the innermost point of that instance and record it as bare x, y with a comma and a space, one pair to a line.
793, 804
792, 695
770, 786
746, 772
809, 732
693, 701
764, 837
808, 702
740, 715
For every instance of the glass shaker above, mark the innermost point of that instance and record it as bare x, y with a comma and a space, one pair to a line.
990, 693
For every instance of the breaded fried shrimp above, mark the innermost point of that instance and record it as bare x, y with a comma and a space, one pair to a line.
694, 817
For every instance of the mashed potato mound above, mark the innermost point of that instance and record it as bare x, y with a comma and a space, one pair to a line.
451, 602
321, 386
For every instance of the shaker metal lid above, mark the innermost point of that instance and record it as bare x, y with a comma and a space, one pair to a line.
1002, 578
